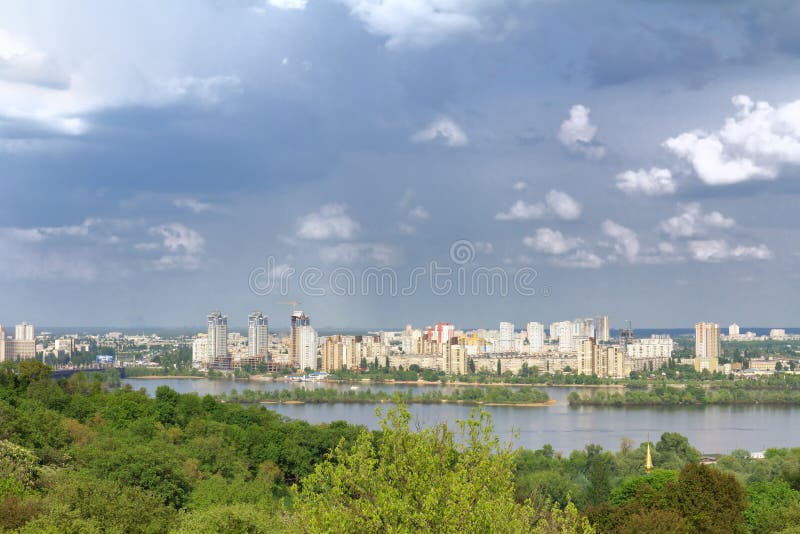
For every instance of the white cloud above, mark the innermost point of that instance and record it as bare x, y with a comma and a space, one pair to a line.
210, 90
417, 23
177, 237
563, 205
330, 222
557, 203
580, 259
577, 133
484, 247
551, 241
349, 253
406, 229
21, 64
183, 247
626, 240
692, 221
519, 186
443, 128
288, 4
419, 213
717, 250
753, 144
521, 210
51, 83
647, 182
192, 204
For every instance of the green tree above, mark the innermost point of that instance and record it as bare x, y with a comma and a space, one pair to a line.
427, 481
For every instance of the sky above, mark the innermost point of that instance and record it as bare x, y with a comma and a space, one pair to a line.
386, 162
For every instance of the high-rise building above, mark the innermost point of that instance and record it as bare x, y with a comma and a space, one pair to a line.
583, 328
601, 329
505, 338
2, 344
707, 347
217, 351
650, 354
258, 335
440, 333
604, 361
339, 352
733, 331
302, 342
535, 337
200, 350
563, 332
410, 339
24, 332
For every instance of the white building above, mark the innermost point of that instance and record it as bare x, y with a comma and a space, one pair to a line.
200, 350
24, 332
302, 342
64, 346
410, 339
505, 337
733, 331
649, 354
562, 331
601, 329
777, 333
535, 337
258, 335
217, 352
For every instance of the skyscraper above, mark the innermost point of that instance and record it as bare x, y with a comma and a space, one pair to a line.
505, 340
707, 347
535, 337
258, 335
302, 342
217, 348
24, 332
2, 344
601, 329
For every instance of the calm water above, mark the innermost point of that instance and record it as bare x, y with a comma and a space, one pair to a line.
710, 429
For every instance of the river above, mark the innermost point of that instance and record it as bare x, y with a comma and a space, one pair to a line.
712, 429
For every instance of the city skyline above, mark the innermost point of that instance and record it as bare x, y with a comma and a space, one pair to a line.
150, 180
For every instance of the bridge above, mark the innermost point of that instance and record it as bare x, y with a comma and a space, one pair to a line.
58, 374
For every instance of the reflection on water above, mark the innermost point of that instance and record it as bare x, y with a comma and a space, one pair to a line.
711, 428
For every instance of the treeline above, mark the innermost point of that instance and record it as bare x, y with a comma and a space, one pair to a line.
692, 394
76, 457
469, 395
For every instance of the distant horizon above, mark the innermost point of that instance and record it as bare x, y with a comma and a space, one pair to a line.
517, 327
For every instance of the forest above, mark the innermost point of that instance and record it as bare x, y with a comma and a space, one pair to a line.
81, 455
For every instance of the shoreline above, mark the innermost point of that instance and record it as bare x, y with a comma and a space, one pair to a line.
544, 404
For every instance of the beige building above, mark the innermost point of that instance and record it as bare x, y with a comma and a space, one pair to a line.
339, 352
19, 349
707, 347
765, 364
455, 360
601, 360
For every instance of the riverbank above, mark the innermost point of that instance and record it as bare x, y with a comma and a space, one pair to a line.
689, 395
544, 404
468, 396
461, 384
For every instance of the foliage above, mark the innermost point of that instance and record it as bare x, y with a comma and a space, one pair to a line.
467, 395
428, 480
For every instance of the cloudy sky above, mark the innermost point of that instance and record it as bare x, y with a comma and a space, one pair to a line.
162, 160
